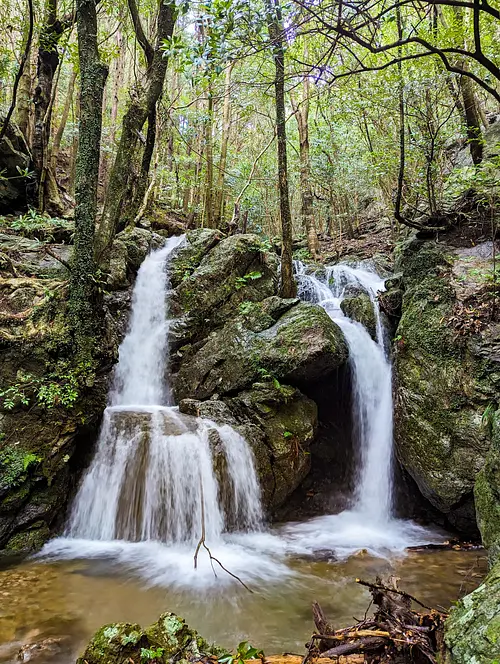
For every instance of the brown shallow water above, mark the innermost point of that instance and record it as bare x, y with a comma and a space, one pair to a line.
72, 599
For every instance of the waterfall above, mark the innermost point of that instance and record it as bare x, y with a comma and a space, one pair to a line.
154, 475
371, 378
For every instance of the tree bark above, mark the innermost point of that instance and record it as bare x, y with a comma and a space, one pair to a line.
307, 210
274, 23
142, 104
93, 78
22, 111
48, 61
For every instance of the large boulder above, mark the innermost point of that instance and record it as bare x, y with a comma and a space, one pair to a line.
447, 368
211, 285
302, 346
472, 632
169, 639
487, 491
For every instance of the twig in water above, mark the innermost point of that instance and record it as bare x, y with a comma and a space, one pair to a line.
203, 544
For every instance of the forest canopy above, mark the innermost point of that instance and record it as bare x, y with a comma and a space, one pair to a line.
290, 119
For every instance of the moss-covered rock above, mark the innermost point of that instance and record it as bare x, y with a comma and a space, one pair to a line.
303, 345
360, 309
125, 643
487, 493
472, 632
445, 382
215, 282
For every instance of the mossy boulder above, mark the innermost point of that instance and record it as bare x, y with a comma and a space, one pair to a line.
50, 407
472, 632
15, 158
445, 381
289, 422
302, 345
487, 493
216, 280
168, 638
360, 308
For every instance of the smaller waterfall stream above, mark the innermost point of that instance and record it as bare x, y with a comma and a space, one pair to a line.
371, 379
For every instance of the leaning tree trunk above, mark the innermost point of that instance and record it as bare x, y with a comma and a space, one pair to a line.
142, 104
93, 78
275, 29
56, 146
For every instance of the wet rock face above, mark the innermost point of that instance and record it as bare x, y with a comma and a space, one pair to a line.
168, 638
447, 369
360, 309
472, 632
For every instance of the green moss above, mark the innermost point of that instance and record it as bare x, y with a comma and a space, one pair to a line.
29, 540
472, 632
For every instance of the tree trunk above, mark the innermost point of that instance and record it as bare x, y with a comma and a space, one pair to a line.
82, 285
22, 65
48, 61
23, 107
275, 29
226, 127
307, 212
56, 146
142, 104
209, 159
472, 118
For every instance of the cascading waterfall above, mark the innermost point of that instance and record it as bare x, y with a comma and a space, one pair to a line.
153, 477
159, 478
371, 378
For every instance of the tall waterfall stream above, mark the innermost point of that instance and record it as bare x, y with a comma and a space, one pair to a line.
152, 487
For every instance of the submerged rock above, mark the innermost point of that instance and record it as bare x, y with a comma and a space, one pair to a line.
168, 638
472, 632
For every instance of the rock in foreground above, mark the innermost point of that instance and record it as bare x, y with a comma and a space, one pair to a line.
169, 637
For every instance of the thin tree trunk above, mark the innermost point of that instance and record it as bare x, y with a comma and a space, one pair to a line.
275, 29
56, 145
226, 128
307, 212
82, 285
209, 162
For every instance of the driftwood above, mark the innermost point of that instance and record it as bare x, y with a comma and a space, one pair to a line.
395, 635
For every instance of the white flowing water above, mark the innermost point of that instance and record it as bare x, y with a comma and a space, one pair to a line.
160, 479
153, 477
371, 380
